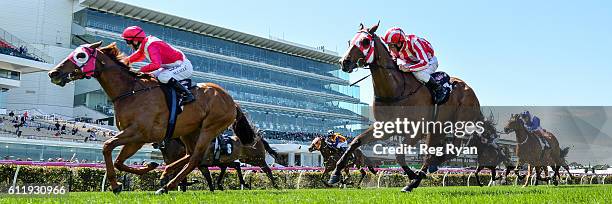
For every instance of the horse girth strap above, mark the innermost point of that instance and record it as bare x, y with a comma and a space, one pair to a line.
133, 92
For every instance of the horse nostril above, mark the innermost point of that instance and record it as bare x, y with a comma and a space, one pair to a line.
53, 74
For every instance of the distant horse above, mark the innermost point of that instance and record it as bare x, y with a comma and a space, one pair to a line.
399, 94
530, 151
488, 156
331, 155
253, 155
142, 115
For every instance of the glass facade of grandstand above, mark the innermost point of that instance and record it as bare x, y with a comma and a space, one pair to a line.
279, 91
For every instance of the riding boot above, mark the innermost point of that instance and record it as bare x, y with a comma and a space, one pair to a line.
436, 89
187, 95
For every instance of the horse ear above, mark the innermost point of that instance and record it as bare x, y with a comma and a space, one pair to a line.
95, 45
361, 26
373, 29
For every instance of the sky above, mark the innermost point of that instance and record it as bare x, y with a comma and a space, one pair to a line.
514, 53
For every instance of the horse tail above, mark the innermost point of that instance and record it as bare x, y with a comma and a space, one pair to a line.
564, 152
269, 149
242, 128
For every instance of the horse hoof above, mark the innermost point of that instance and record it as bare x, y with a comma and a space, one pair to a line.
333, 179
161, 191
118, 190
153, 165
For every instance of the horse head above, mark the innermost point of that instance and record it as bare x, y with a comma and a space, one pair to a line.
86, 61
316, 144
514, 123
363, 50
81, 63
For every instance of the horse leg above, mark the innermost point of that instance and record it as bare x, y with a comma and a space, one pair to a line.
243, 185
127, 151
401, 160
363, 175
206, 174
361, 139
220, 177
268, 171
493, 175
478, 169
556, 176
189, 141
206, 136
324, 176
517, 171
566, 167
126, 136
174, 166
347, 178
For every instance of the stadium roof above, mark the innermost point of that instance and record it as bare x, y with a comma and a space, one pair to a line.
157, 17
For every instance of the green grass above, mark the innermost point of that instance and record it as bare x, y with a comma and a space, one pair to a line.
497, 194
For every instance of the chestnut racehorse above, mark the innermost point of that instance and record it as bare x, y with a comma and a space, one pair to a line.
530, 151
142, 115
400, 95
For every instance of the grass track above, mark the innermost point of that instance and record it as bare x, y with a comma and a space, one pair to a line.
498, 194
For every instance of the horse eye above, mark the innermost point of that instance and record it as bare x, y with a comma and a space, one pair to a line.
365, 43
81, 55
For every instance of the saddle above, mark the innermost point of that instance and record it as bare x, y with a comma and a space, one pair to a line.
224, 145
173, 101
443, 79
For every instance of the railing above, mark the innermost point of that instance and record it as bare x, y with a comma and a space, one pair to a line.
17, 43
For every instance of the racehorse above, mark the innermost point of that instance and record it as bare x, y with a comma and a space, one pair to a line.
331, 155
401, 95
530, 151
488, 156
142, 115
253, 155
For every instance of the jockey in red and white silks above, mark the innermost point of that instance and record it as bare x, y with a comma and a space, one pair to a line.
416, 55
168, 64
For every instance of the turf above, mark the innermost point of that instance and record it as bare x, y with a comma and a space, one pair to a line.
497, 194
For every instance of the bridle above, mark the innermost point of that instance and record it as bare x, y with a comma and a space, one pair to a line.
95, 72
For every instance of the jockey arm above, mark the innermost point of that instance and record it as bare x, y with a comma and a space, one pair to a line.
136, 57
156, 61
421, 56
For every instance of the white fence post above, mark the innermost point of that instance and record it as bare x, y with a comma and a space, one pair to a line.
104, 181
297, 185
444, 179
15, 176
468, 180
380, 174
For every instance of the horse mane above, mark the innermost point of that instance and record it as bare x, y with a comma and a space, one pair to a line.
113, 52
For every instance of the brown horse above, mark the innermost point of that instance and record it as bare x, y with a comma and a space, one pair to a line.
253, 155
331, 155
530, 151
488, 156
142, 115
400, 95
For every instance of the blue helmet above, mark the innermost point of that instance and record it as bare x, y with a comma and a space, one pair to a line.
526, 114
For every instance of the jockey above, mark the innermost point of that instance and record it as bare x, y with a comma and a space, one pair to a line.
338, 140
415, 54
168, 64
532, 123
